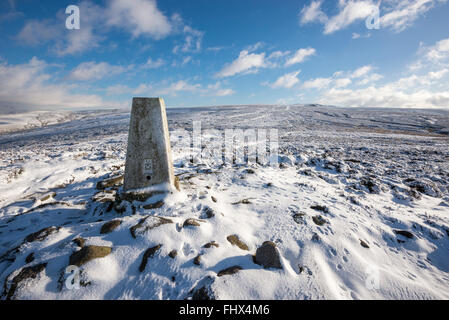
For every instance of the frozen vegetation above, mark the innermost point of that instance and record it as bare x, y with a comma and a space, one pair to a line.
358, 208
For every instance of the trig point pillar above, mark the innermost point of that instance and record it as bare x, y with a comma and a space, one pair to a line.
148, 157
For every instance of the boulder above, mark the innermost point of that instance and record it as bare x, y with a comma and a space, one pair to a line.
148, 223
267, 256
89, 253
234, 240
110, 226
229, 271
149, 253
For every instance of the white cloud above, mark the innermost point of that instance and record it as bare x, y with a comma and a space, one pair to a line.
313, 13
318, 83
246, 62
27, 87
362, 71
403, 13
151, 64
300, 56
439, 51
343, 82
288, 80
139, 17
37, 32
95, 71
397, 15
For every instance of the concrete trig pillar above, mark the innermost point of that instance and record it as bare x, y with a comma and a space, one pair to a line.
148, 156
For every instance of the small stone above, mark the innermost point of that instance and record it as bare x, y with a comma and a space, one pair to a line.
211, 244
110, 226
209, 212
213, 198
149, 253
323, 209
298, 217
197, 260
229, 271
155, 205
191, 223
404, 233
79, 242
243, 201
89, 253
364, 244
173, 254
316, 237
234, 240
267, 256
319, 220
30, 258
111, 182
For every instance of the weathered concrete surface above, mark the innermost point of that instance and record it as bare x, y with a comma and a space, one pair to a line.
148, 157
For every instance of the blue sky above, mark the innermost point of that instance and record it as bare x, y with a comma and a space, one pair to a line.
217, 52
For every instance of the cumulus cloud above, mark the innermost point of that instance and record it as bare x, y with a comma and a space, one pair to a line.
246, 62
29, 86
95, 71
318, 83
300, 56
154, 64
313, 13
288, 80
396, 15
139, 17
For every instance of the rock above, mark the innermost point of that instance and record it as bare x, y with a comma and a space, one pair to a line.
173, 254
48, 196
197, 260
404, 233
319, 220
316, 237
111, 182
213, 198
24, 274
155, 205
298, 217
323, 209
89, 253
234, 240
211, 244
209, 212
203, 290
41, 235
424, 186
110, 226
30, 258
249, 171
229, 271
79, 242
148, 223
106, 196
369, 183
364, 244
191, 223
176, 183
243, 201
149, 253
267, 256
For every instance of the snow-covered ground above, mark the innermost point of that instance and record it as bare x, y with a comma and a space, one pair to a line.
357, 209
